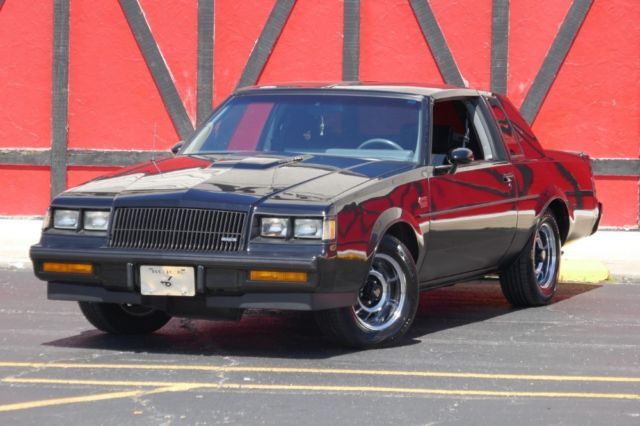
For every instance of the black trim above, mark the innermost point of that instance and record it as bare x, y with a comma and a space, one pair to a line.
351, 41
60, 97
80, 157
157, 66
499, 45
205, 59
438, 45
554, 59
616, 167
266, 41
98, 157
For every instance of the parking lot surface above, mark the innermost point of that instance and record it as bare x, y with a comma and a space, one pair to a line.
469, 359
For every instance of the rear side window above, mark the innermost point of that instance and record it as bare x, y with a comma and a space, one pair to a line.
506, 129
529, 143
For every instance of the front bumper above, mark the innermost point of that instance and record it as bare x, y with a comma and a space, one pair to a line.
222, 280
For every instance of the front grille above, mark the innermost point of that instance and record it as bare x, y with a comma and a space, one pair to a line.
178, 229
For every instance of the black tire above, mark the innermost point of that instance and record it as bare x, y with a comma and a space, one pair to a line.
123, 319
391, 287
532, 279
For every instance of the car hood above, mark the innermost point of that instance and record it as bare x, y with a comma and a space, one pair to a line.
242, 179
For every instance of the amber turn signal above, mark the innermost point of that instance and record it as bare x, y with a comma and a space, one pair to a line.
298, 277
69, 268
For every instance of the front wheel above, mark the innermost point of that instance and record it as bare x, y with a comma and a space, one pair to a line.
123, 319
386, 305
532, 279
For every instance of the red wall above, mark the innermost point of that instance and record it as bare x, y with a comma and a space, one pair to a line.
114, 104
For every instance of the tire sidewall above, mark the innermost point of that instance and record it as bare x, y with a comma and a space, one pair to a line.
544, 295
366, 337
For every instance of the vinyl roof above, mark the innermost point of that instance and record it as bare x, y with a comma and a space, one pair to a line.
435, 91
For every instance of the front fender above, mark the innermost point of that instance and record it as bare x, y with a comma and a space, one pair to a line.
386, 221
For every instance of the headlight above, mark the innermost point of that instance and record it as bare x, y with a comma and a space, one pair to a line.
96, 220
66, 219
46, 220
274, 227
307, 228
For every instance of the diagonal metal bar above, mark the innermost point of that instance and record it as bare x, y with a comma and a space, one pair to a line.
351, 41
499, 45
266, 41
158, 67
205, 59
435, 39
554, 59
60, 97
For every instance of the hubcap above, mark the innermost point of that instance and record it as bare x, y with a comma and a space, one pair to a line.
382, 296
545, 256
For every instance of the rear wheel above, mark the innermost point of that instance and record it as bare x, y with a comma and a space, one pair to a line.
386, 305
123, 319
532, 279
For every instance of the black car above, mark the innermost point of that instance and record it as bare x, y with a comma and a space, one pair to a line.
344, 199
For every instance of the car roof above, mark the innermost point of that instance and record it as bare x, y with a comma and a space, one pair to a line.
432, 90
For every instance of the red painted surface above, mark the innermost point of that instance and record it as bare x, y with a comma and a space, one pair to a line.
25, 190
532, 27
467, 29
238, 25
310, 46
172, 26
617, 196
392, 47
113, 101
114, 104
25, 74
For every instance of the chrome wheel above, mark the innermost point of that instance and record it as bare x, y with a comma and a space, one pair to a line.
545, 254
383, 294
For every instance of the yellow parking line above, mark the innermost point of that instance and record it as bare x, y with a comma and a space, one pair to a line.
336, 371
185, 386
70, 400
87, 398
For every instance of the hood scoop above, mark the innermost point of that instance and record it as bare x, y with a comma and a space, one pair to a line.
256, 163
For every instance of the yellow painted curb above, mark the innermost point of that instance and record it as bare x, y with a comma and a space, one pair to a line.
583, 271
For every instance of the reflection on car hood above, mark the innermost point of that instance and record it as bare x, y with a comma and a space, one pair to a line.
305, 177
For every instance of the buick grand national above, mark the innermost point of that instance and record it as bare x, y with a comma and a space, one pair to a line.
346, 199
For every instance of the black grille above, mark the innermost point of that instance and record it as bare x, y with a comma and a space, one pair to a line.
178, 229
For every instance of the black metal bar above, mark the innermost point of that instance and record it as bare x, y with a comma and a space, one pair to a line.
351, 41
156, 64
554, 59
87, 157
435, 39
265, 43
205, 59
60, 97
499, 45
616, 166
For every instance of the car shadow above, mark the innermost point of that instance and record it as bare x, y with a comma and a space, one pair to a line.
295, 335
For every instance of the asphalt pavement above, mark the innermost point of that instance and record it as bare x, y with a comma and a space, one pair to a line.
469, 358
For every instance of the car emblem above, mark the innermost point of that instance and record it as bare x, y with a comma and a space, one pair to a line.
229, 239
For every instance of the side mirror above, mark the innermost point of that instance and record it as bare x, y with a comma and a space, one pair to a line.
459, 156
177, 147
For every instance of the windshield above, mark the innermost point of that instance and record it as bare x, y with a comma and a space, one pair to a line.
283, 124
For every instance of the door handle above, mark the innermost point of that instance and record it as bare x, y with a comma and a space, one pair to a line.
508, 178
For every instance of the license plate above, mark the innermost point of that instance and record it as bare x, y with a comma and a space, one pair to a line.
167, 280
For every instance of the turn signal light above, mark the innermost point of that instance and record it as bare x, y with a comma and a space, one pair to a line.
69, 268
298, 277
